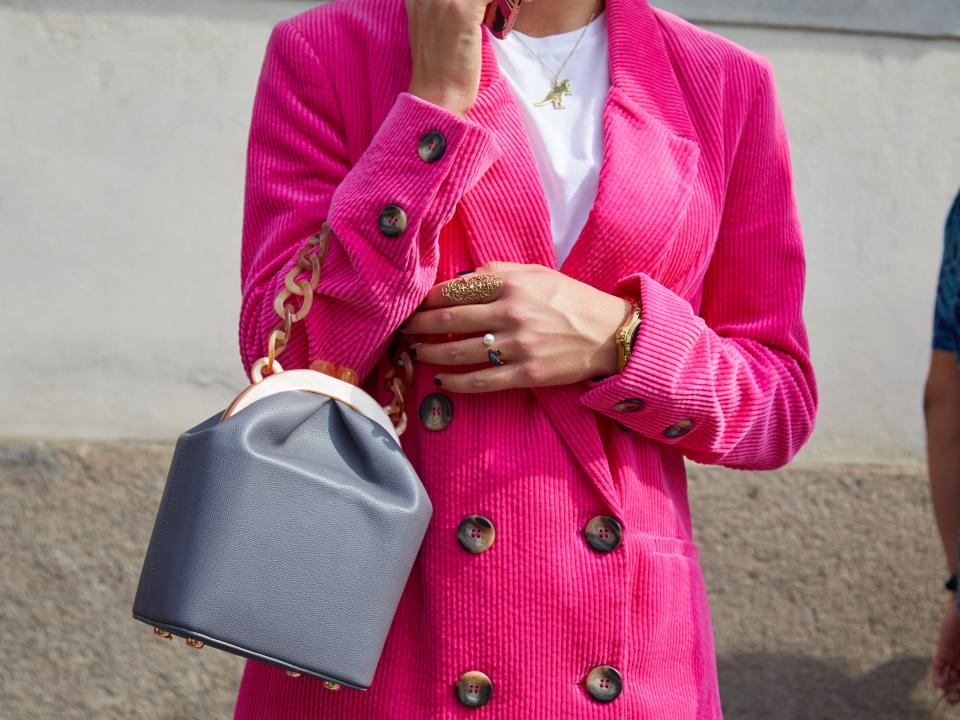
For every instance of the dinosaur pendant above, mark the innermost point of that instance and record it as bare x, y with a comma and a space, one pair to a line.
555, 96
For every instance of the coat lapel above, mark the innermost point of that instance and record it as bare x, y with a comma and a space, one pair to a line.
646, 177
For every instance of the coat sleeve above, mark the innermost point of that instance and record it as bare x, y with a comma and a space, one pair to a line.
299, 175
733, 386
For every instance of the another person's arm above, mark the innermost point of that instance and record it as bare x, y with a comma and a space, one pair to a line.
941, 408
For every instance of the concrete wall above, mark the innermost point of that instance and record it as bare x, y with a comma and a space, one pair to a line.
121, 178
123, 126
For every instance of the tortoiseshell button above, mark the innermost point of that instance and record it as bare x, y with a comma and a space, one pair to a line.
474, 688
432, 146
604, 683
603, 533
392, 220
629, 405
475, 533
679, 428
436, 411
621, 426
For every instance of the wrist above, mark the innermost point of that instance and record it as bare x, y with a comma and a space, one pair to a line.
607, 358
440, 97
626, 334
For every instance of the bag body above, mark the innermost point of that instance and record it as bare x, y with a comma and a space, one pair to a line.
286, 532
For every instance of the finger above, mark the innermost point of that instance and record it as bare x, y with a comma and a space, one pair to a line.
467, 351
435, 296
498, 377
505, 266
471, 317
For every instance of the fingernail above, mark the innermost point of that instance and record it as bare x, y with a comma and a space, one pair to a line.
413, 352
465, 272
437, 380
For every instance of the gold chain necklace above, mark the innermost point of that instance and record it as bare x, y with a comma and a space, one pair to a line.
559, 87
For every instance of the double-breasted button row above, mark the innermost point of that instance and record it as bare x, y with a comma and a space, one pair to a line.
475, 533
474, 688
604, 683
436, 411
603, 533
678, 429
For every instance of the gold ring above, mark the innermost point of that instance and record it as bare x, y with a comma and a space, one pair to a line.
473, 288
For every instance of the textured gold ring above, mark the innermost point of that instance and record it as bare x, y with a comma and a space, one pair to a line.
473, 288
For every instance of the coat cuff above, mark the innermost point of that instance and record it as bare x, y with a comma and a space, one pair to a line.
657, 390
391, 172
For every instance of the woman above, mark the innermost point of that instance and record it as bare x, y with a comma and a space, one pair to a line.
558, 577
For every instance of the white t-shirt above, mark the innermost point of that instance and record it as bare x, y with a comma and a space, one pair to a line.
568, 142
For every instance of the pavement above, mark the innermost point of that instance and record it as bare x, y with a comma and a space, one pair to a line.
825, 586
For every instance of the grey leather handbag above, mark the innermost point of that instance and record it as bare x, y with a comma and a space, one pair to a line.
290, 522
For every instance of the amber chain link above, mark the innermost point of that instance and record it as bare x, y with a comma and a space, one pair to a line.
308, 260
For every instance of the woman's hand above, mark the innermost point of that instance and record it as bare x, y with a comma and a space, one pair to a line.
445, 43
550, 328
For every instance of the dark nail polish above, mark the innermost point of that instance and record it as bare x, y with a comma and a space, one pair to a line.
437, 380
413, 352
465, 272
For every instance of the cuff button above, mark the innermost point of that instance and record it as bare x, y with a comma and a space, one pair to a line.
392, 220
432, 146
629, 405
678, 429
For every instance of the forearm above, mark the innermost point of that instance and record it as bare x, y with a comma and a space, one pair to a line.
385, 209
942, 419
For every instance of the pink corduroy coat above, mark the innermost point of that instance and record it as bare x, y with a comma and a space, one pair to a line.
695, 215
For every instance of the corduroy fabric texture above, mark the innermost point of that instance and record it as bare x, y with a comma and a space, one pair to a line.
694, 215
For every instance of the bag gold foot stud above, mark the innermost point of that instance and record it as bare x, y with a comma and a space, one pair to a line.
194, 643
160, 632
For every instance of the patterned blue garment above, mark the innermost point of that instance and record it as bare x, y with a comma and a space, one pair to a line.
946, 317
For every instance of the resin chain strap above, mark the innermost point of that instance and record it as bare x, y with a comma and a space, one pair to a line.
308, 260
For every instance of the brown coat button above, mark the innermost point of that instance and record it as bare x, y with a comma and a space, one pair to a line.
475, 533
436, 411
679, 428
392, 220
603, 533
629, 405
474, 688
604, 683
432, 146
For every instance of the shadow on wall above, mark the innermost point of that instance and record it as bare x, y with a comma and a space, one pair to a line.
783, 687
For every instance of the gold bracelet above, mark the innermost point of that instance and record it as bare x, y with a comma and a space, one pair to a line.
626, 332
